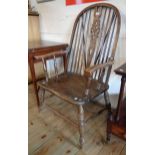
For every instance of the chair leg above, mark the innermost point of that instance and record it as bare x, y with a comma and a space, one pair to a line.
108, 105
81, 125
37, 97
42, 95
109, 126
108, 131
107, 101
108, 137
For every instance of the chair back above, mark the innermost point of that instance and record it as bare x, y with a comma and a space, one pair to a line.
94, 38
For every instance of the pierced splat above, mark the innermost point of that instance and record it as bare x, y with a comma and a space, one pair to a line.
95, 30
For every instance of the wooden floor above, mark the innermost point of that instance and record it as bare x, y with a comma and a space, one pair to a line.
50, 135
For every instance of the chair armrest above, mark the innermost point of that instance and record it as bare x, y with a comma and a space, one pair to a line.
51, 55
90, 70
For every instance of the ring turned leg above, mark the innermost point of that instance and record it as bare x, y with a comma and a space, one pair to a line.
42, 96
107, 101
108, 132
81, 125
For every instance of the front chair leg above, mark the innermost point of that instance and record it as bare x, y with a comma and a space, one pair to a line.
81, 125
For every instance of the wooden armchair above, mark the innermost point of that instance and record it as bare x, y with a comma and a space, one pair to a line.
88, 61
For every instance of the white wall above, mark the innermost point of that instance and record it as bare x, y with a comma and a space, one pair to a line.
56, 22
56, 18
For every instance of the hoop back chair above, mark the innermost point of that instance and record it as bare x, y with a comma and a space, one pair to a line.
88, 60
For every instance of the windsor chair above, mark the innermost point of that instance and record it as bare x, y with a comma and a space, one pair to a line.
87, 62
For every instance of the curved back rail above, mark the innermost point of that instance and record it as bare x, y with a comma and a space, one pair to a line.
94, 39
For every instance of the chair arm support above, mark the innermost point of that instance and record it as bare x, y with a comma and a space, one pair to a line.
53, 56
90, 70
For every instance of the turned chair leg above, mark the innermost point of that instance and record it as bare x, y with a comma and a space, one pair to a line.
108, 137
81, 125
108, 105
108, 131
37, 96
109, 127
41, 98
107, 101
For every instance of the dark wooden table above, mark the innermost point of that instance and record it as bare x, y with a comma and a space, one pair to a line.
39, 48
116, 123
122, 72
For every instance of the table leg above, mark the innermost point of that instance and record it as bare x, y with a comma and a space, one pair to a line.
32, 70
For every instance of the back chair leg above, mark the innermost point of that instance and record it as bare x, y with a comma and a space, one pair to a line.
107, 101
109, 127
81, 125
42, 96
37, 96
108, 137
108, 105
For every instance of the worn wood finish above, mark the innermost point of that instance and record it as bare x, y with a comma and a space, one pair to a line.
90, 70
75, 87
89, 59
116, 123
50, 135
42, 47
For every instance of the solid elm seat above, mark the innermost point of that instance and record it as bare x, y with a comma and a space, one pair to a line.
72, 86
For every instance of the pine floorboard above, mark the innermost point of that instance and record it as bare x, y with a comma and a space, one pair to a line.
50, 135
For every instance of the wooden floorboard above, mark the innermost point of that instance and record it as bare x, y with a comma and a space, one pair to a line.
123, 151
50, 135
